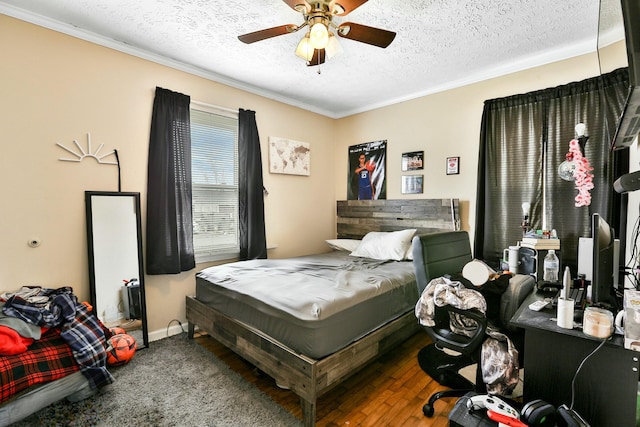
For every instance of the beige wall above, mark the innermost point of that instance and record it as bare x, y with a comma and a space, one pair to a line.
448, 124
56, 88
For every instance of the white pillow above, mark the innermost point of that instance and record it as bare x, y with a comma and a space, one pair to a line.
385, 245
409, 255
348, 245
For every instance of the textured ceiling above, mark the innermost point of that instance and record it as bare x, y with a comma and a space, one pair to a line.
440, 44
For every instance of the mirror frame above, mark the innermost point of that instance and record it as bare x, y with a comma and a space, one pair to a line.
91, 254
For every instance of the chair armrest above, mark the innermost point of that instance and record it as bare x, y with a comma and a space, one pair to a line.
444, 336
520, 286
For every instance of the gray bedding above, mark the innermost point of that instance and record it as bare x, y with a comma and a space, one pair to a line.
74, 387
314, 304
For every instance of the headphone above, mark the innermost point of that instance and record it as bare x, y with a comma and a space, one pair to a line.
538, 413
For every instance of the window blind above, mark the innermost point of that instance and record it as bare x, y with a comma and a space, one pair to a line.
214, 169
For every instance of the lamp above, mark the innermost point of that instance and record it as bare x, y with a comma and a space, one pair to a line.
319, 35
526, 206
305, 49
333, 47
582, 138
567, 169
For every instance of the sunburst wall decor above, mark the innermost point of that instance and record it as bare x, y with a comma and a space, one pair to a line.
81, 154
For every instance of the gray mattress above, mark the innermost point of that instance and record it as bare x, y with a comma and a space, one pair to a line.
314, 304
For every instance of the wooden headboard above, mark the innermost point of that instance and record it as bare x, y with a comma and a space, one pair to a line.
357, 217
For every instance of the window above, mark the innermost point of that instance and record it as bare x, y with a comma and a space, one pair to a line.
214, 170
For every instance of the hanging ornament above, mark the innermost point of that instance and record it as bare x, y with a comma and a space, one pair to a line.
581, 175
567, 169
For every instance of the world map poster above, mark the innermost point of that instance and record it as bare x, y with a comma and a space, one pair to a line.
288, 156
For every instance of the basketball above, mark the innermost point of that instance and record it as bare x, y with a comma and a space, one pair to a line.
117, 330
121, 349
370, 166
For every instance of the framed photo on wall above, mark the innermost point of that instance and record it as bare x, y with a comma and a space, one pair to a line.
289, 157
453, 165
412, 184
412, 161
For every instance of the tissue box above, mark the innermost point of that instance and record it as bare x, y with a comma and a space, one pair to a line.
632, 319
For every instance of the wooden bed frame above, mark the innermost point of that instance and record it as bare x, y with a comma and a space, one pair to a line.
307, 377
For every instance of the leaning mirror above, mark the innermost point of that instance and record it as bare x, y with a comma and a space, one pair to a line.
116, 276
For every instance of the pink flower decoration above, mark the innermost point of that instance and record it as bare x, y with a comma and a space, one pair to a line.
583, 176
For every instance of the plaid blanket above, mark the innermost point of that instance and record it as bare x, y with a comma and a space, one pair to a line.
48, 359
80, 329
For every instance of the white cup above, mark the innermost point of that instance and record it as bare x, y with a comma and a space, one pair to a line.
512, 256
619, 322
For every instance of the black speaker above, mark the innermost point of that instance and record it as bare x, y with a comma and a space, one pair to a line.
131, 300
627, 182
538, 413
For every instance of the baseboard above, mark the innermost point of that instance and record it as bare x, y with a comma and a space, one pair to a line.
173, 329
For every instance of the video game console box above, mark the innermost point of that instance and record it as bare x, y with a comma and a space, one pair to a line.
632, 319
471, 410
460, 416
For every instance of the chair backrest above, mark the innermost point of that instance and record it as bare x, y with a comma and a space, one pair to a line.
437, 254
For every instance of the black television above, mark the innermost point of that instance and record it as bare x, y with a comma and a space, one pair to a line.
628, 125
603, 239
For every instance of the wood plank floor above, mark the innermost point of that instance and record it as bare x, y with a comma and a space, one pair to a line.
388, 392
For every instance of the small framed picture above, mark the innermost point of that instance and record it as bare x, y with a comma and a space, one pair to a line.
412, 161
412, 184
453, 165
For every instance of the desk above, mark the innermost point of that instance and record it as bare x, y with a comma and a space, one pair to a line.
607, 385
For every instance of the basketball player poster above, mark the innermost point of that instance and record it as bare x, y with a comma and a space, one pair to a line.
367, 171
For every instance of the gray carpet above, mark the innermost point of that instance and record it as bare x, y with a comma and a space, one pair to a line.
174, 382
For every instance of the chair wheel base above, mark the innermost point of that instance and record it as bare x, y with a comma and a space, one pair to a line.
428, 410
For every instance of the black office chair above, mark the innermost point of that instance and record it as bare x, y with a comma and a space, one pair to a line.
439, 254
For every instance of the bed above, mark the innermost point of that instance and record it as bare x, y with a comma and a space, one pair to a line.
50, 369
310, 322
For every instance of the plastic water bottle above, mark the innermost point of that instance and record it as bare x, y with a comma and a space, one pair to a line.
551, 266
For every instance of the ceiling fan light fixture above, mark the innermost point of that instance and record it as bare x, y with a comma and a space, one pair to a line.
305, 49
319, 35
320, 42
333, 47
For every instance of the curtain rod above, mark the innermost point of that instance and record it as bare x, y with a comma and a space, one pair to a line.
204, 104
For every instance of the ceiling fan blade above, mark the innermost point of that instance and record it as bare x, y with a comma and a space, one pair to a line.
256, 36
298, 5
365, 34
319, 56
343, 7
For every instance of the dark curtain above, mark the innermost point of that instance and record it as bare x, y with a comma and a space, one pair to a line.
253, 243
523, 140
169, 218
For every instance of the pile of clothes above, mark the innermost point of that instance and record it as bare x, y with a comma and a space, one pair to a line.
26, 314
477, 287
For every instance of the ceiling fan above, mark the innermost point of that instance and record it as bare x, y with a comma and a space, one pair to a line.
319, 43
